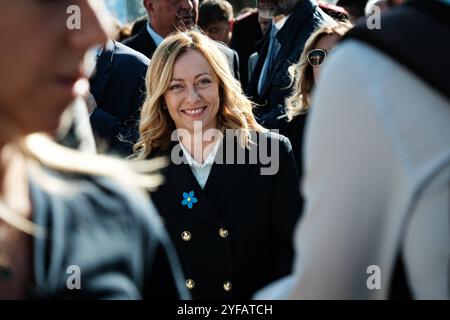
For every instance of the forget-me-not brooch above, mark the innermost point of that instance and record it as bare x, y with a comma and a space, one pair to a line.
189, 199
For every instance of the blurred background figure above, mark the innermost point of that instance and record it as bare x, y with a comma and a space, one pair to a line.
215, 18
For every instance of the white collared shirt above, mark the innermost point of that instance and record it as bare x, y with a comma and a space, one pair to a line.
154, 35
201, 171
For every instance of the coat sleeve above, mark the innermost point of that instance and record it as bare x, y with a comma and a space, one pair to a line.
286, 208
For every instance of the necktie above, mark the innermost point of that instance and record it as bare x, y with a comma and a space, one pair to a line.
274, 47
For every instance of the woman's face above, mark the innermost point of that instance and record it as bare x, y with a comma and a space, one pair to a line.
327, 43
41, 59
193, 94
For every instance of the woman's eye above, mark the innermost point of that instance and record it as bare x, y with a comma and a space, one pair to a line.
175, 86
204, 81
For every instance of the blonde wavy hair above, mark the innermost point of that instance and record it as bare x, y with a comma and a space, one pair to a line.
40, 153
156, 126
301, 73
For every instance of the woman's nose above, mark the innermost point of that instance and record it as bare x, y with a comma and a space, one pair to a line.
192, 95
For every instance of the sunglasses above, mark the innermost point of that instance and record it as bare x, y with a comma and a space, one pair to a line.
317, 57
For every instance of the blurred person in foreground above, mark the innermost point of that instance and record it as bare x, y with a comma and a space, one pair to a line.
377, 167
68, 230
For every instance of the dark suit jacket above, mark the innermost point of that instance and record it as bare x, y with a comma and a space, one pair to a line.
259, 212
144, 43
305, 18
246, 33
111, 234
118, 87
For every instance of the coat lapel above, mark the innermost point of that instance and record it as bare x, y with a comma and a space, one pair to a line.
179, 180
224, 179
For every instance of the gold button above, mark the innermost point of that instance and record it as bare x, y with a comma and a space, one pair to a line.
223, 233
227, 286
190, 284
186, 236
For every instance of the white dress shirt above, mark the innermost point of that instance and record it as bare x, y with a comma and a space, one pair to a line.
376, 183
201, 171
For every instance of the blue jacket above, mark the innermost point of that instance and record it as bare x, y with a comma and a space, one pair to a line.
118, 87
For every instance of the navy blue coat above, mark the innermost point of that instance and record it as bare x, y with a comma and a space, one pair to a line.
118, 87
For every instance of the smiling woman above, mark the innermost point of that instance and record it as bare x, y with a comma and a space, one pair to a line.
60, 209
231, 224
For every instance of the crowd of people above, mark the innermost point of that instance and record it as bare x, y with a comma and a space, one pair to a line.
292, 152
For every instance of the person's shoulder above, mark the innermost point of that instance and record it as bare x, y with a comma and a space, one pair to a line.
130, 55
139, 42
103, 200
224, 48
133, 40
275, 139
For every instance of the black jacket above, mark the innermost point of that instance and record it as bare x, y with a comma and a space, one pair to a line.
118, 87
305, 18
143, 43
240, 229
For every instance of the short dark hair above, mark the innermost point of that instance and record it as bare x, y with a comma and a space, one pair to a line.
211, 11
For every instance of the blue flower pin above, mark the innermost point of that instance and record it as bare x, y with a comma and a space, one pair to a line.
189, 199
